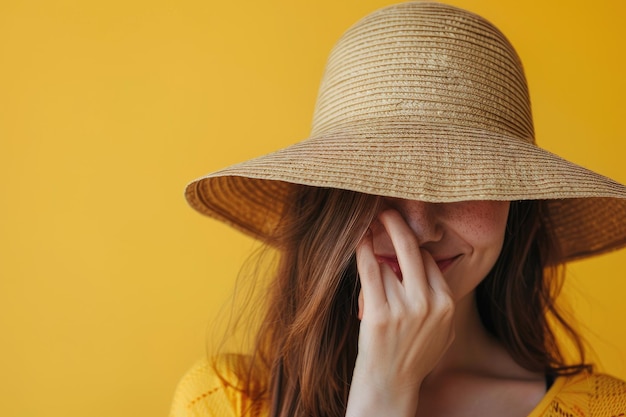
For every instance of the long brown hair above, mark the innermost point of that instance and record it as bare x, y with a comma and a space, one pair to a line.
307, 344
517, 299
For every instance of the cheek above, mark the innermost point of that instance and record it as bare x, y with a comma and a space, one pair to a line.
484, 224
481, 226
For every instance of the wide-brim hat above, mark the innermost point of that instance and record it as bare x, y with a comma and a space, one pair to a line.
429, 102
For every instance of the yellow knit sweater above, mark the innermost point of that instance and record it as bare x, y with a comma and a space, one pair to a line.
202, 394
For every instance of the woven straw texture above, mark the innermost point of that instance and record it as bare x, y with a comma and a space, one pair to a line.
429, 102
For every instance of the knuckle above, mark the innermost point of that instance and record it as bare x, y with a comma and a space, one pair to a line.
381, 322
421, 308
446, 308
378, 322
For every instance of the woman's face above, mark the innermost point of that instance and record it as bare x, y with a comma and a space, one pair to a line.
464, 238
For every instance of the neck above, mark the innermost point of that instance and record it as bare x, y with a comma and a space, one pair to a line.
474, 350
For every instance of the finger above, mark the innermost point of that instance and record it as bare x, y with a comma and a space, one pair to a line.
440, 293
407, 250
369, 274
436, 281
394, 291
435, 278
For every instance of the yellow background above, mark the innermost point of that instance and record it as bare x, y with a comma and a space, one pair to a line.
108, 108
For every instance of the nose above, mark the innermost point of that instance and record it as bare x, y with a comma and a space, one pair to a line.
425, 219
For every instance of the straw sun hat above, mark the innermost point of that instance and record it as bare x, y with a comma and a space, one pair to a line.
429, 102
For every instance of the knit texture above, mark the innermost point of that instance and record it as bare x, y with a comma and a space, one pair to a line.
201, 393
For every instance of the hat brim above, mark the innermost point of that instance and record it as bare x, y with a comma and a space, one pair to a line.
429, 163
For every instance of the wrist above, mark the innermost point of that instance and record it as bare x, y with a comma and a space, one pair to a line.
367, 399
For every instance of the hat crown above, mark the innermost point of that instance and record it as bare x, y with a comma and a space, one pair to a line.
427, 102
425, 63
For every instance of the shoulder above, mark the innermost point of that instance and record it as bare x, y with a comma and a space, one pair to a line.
608, 396
211, 388
595, 394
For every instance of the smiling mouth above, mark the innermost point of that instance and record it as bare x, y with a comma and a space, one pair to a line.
392, 262
444, 264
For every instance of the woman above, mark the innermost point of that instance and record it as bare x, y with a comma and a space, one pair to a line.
420, 231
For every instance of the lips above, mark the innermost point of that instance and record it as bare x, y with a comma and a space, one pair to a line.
443, 263
392, 261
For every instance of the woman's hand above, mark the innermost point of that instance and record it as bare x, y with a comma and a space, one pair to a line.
406, 325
